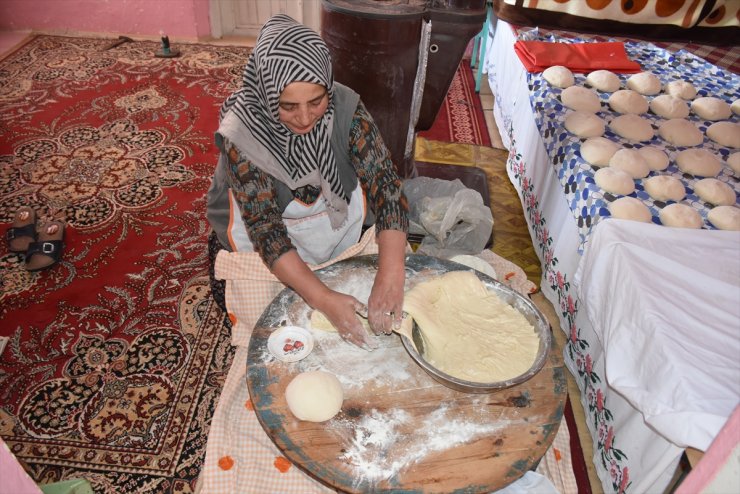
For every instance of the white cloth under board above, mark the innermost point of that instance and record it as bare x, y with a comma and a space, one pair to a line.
665, 303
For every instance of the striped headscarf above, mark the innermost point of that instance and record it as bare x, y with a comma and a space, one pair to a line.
287, 52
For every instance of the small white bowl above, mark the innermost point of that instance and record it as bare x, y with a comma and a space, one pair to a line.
290, 343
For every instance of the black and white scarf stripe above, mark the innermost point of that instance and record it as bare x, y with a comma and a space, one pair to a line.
286, 52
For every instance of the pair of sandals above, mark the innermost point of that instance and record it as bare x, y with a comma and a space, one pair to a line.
42, 244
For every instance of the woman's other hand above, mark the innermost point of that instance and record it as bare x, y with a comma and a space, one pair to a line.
385, 305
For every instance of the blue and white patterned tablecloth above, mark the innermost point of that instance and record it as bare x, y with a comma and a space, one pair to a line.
587, 201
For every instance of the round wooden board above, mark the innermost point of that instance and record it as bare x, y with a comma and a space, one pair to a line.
398, 428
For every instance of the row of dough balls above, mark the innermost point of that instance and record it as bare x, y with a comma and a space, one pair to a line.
619, 167
630, 103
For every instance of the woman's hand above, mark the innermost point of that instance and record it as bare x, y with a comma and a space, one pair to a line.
341, 310
385, 305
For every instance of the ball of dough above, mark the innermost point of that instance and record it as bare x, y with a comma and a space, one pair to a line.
698, 162
629, 208
614, 181
603, 80
630, 161
725, 217
628, 101
680, 132
315, 396
664, 188
715, 192
734, 161
581, 99
644, 83
632, 127
668, 106
584, 124
598, 150
725, 134
656, 159
559, 76
735, 106
711, 108
681, 89
680, 216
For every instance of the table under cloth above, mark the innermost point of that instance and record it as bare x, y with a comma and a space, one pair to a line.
634, 450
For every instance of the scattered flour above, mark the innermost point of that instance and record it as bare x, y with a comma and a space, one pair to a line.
382, 446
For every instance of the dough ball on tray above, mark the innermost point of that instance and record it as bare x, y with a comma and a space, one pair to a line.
680, 216
711, 108
715, 192
630, 161
680, 132
614, 181
735, 107
632, 127
597, 151
629, 208
628, 101
644, 83
725, 217
584, 124
734, 161
603, 80
656, 159
559, 76
725, 134
681, 89
664, 188
668, 106
580, 98
698, 162
315, 396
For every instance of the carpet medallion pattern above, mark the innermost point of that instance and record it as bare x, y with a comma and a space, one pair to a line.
116, 355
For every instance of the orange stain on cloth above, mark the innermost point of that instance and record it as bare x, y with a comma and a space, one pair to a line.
282, 464
226, 463
248, 405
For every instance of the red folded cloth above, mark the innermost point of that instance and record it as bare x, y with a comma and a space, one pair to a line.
578, 57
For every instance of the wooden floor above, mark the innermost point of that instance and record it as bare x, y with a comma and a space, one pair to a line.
511, 237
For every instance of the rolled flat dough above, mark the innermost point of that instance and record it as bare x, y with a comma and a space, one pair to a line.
469, 332
315, 396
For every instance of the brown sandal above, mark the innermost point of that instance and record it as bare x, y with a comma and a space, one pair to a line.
47, 250
23, 230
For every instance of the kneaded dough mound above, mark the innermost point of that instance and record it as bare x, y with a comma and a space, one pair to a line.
632, 127
629, 208
681, 89
680, 132
734, 161
715, 192
603, 80
698, 162
315, 396
680, 216
584, 124
725, 134
656, 159
581, 99
644, 83
725, 217
614, 181
664, 188
559, 76
711, 108
598, 150
628, 101
668, 106
630, 161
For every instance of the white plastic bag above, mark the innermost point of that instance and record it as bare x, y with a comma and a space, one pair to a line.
453, 218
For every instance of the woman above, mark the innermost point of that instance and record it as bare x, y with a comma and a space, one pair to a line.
301, 159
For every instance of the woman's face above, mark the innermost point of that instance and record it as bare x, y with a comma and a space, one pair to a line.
302, 104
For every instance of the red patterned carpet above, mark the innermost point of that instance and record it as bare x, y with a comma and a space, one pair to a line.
116, 355
460, 118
